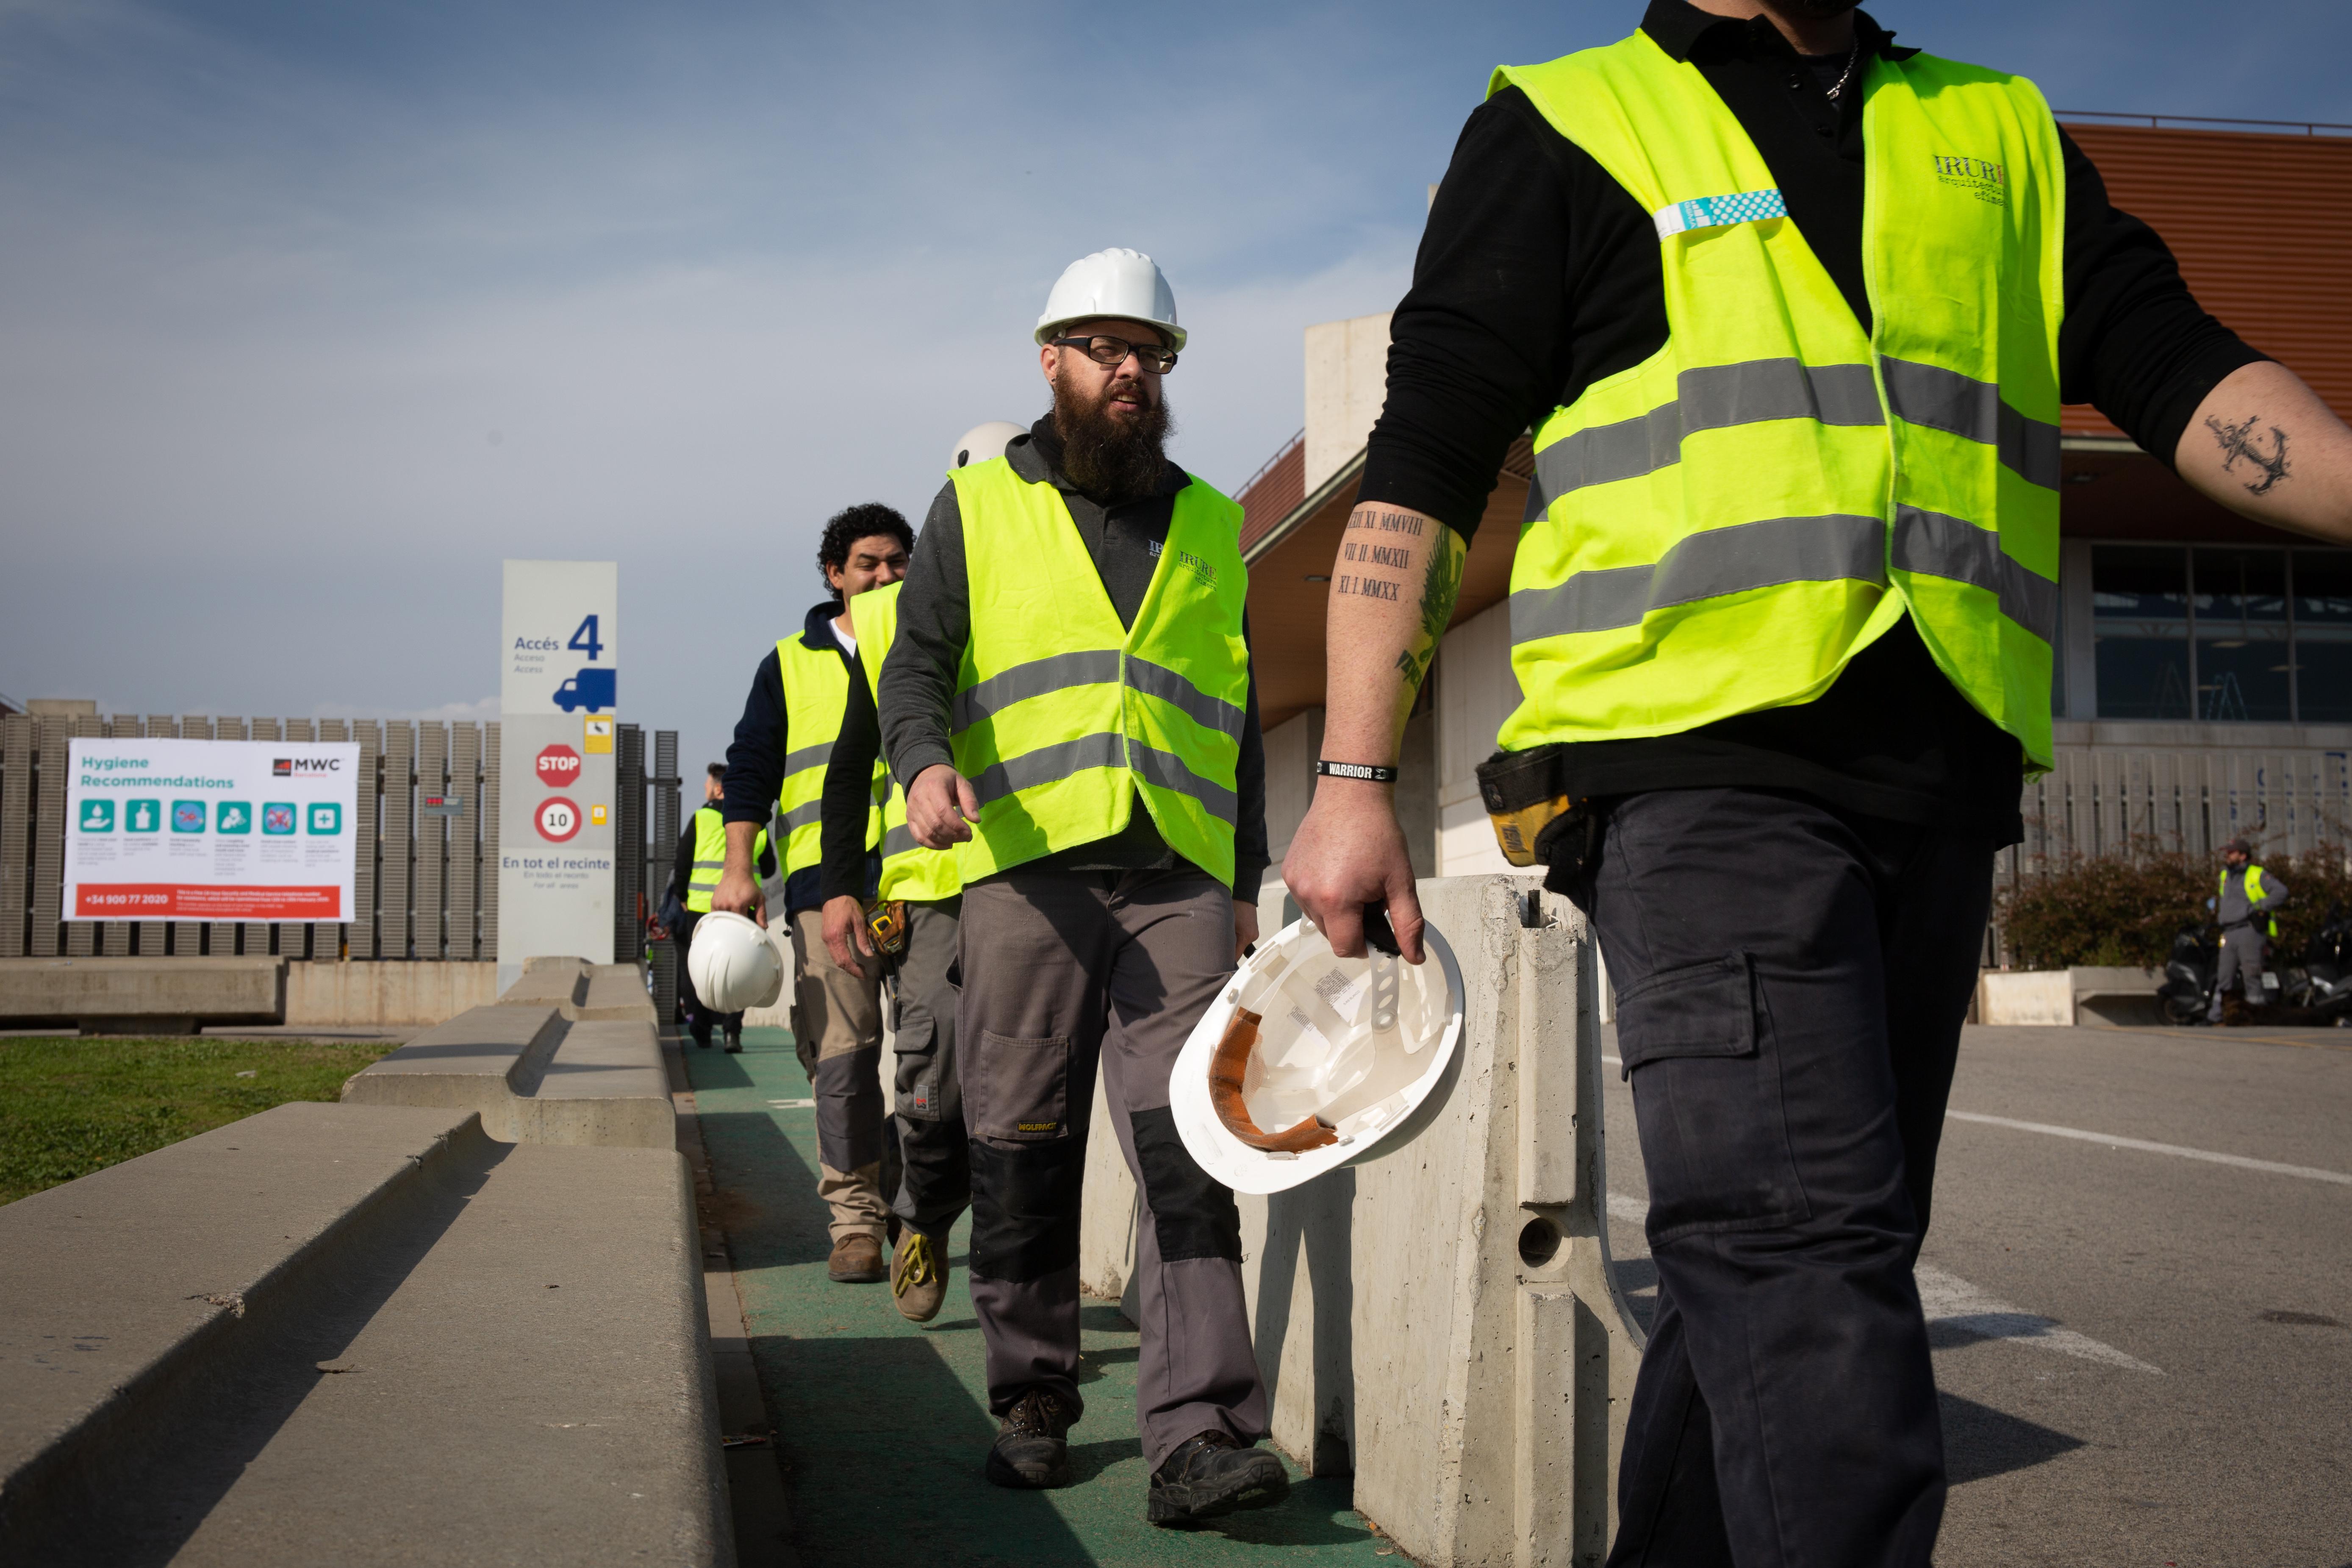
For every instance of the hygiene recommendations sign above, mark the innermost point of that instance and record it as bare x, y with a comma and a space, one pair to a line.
213, 830
559, 685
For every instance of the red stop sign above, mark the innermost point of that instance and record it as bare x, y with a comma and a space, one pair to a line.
559, 765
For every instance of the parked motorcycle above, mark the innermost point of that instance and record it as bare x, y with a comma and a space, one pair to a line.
2324, 989
2187, 988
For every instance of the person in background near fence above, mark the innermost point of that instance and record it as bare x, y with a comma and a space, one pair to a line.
2245, 906
1781, 615
702, 856
1069, 697
776, 767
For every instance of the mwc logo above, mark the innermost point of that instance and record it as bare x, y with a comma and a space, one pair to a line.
287, 767
559, 765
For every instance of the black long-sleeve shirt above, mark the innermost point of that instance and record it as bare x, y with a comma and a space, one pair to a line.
755, 759
1538, 275
1124, 538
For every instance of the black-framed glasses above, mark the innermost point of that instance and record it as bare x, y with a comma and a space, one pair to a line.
1113, 351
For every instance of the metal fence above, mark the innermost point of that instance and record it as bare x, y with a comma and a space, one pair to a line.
2118, 800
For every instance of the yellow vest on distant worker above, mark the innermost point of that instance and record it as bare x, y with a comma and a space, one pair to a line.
908, 870
2253, 895
710, 857
816, 690
1720, 528
1063, 717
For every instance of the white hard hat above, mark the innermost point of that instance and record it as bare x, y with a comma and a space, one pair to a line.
1123, 283
1308, 1061
733, 965
982, 442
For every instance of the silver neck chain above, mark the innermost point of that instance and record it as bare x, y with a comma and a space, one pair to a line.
1852, 56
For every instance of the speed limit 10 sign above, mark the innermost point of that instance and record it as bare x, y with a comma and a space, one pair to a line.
557, 819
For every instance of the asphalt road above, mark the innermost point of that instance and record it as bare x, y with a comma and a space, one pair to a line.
2145, 1355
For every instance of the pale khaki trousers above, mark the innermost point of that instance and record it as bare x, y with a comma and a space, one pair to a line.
837, 1023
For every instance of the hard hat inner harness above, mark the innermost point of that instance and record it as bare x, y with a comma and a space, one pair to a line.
1352, 1080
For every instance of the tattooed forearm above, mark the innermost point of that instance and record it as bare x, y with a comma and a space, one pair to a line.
1441, 585
2237, 441
1387, 588
1375, 519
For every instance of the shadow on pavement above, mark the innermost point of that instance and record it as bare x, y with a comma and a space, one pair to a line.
1979, 1441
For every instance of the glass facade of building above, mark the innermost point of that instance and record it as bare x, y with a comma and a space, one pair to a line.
2222, 634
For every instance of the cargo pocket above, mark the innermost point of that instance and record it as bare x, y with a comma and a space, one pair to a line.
1697, 1043
1017, 1090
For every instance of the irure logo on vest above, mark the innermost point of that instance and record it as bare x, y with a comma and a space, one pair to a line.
1980, 177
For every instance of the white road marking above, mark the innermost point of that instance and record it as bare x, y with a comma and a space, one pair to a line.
1949, 1299
792, 1104
2307, 1172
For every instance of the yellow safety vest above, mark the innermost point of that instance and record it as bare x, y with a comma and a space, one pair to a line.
1063, 717
1721, 528
2253, 893
908, 870
816, 690
710, 857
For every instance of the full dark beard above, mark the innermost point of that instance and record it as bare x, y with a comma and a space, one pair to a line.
1110, 458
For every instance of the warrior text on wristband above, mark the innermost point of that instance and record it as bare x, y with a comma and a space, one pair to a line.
1365, 770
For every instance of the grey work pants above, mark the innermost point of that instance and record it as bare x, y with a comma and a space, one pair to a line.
1062, 970
837, 1030
2240, 963
935, 1179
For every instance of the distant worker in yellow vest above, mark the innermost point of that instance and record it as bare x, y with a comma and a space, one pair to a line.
702, 856
776, 769
2246, 907
1790, 310
1068, 700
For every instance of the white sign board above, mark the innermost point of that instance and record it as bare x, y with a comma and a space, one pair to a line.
558, 683
211, 830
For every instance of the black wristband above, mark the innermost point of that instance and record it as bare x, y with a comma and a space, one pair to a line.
1365, 770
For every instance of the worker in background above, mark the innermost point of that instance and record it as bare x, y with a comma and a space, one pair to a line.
1780, 619
776, 767
2245, 906
1070, 702
913, 899
702, 856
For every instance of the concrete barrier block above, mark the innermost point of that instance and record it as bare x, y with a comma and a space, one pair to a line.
141, 996
1443, 1321
2037, 996
533, 1077
547, 982
616, 992
604, 1085
323, 996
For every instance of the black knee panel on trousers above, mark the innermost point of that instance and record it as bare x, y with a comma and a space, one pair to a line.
1024, 1208
1193, 1213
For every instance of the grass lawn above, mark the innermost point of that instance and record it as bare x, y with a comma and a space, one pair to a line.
69, 1105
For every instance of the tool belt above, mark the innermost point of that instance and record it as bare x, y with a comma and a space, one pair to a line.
885, 923
1537, 822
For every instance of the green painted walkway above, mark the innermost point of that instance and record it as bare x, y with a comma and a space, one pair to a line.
885, 1424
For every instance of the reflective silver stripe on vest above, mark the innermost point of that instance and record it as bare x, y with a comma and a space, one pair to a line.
1058, 672
1167, 772
802, 815
1048, 764
899, 840
1209, 712
1706, 566
808, 757
1939, 546
1710, 397
1946, 400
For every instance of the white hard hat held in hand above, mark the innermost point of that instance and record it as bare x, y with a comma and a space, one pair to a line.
982, 442
1308, 1061
733, 965
1126, 284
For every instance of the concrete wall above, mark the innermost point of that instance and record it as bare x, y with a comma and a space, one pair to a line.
1475, 692
320, 994
1347, 382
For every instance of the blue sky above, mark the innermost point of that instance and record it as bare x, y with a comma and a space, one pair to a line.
310, 314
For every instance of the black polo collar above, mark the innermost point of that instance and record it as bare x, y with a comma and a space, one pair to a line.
1679, 29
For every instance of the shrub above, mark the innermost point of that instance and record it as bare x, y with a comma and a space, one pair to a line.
2124, 908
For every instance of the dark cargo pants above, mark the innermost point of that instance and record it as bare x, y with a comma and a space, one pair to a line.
935, 1176
1791, 984
1063, 970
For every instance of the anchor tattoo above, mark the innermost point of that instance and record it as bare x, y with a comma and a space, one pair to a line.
2237, 442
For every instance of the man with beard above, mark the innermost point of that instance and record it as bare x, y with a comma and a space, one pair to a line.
1069, 703
1781, 614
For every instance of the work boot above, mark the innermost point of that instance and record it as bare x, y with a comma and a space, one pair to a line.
918, 1276
1213, 1474
734, 1042
856, 1260
1029, 1451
